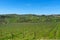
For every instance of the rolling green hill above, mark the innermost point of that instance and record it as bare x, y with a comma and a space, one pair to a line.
14, 18
29, 27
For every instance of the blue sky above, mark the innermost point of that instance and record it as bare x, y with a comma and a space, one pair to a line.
30, 7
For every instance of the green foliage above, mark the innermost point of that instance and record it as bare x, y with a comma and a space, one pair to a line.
13, 18
29, 27
30, 31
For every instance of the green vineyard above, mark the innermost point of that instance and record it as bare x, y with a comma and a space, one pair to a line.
30, 31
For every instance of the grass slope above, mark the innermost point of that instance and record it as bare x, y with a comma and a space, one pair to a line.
30, 31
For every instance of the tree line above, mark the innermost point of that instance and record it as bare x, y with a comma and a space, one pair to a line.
14, 18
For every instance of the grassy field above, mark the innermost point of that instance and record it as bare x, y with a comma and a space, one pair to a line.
30, 31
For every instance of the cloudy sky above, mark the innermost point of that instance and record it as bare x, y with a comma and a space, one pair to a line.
29, 6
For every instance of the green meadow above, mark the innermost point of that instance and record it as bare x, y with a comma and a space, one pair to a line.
29, 30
